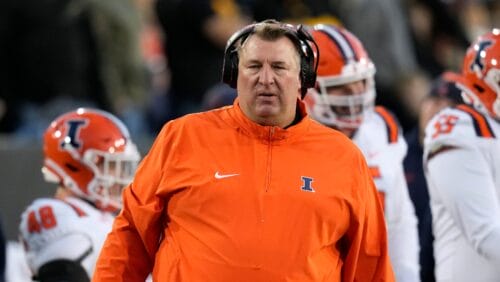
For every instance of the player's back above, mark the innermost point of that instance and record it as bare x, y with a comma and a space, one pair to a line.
381, 141
384, 148
464, 186
71, 229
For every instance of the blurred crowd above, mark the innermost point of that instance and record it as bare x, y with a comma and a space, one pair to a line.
150, 61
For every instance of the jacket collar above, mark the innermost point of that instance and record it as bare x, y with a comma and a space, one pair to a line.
268, 133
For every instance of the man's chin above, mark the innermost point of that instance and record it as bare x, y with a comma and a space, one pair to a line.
266, 109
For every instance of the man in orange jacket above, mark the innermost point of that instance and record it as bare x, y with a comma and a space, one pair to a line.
256, 191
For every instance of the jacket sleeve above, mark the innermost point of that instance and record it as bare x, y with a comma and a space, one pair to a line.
367, 257
129, 250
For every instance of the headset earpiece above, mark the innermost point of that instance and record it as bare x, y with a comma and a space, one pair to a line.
230, 68
309, 63
231, 59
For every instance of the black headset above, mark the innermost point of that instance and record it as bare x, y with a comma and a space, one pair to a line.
297, 34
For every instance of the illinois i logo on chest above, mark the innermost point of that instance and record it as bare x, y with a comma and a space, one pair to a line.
307, 184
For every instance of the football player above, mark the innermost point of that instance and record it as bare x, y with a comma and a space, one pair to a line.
462, 166
444, 92
91, 157
344, 99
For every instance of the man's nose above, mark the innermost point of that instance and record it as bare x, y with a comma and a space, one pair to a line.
266, 75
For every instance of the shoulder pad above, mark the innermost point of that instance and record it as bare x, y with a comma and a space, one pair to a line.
46, 217
460, 126
381, 133
60, 208
391, 124
481, 123
461, 122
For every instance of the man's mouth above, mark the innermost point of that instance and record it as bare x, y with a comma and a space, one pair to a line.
265, 94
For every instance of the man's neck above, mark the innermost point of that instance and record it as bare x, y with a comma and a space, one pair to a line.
296, 119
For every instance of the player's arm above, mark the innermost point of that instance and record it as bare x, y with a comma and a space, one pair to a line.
129, 250
401, 218
403, 233
63, 259
465, 184
367, 257
67, 259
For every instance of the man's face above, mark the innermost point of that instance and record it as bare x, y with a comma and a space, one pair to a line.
268, 81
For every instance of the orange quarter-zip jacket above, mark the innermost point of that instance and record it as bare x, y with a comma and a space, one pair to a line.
221, 198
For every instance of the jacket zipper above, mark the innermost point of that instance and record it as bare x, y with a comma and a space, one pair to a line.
269, 158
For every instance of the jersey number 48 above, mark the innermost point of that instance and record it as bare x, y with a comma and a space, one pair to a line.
45, 219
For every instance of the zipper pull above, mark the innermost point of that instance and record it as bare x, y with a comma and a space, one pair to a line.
271, 133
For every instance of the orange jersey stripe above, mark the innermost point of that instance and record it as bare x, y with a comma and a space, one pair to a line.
480, 123
390, 122
78, 210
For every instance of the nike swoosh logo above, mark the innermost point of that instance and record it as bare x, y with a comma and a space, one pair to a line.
221, 176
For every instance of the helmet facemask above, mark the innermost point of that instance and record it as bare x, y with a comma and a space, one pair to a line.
492, 79
112, 172
344, 111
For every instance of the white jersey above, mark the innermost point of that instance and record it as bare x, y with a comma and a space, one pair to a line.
384, 148
462, 166
63, 229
